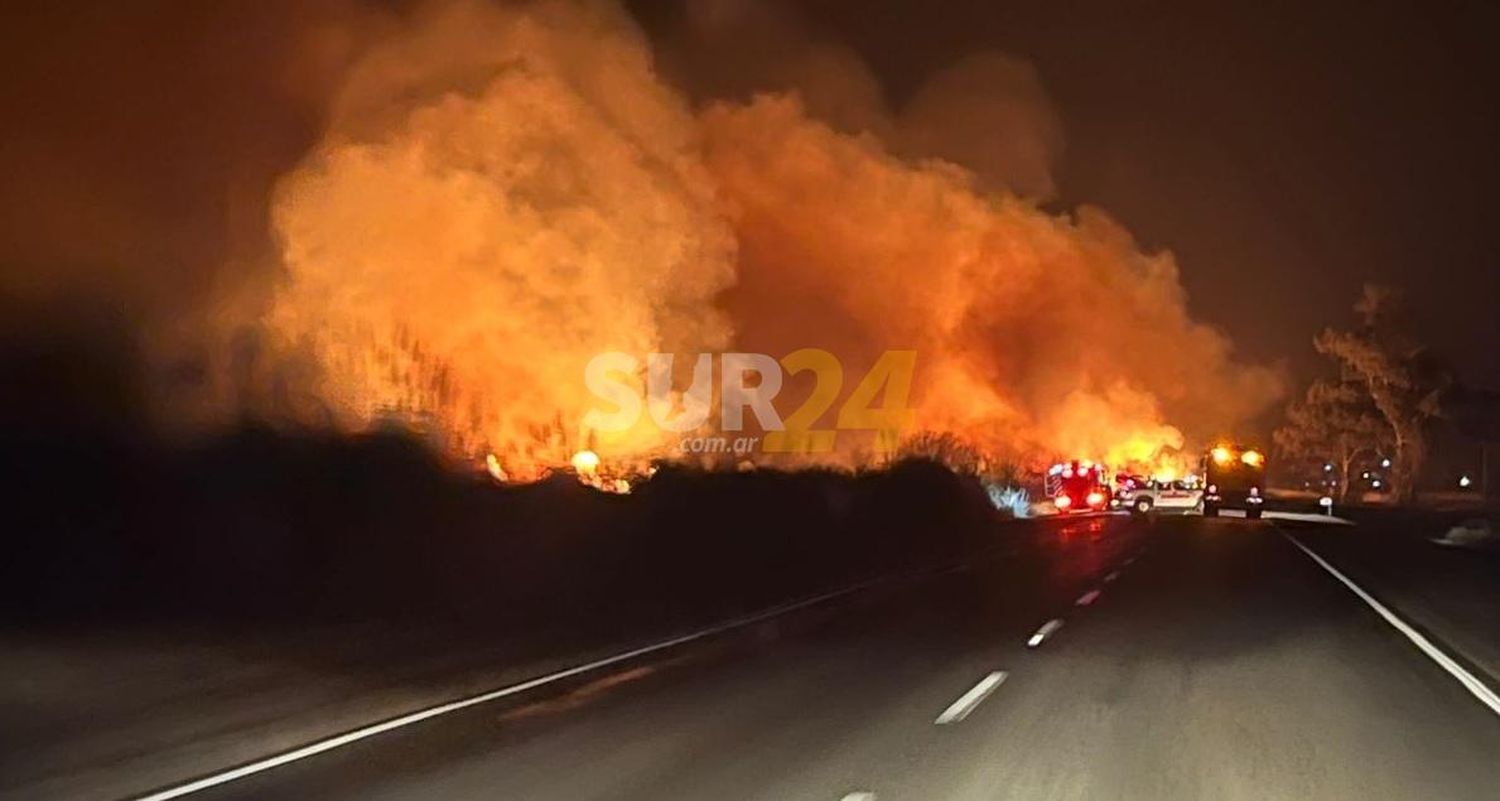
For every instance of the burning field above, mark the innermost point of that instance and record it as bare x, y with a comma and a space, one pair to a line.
489, 195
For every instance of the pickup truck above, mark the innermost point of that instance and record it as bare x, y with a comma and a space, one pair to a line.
1163, 496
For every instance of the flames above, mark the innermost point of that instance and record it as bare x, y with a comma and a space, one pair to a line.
504, 192
505, 195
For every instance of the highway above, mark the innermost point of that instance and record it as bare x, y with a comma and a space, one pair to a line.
1100, 658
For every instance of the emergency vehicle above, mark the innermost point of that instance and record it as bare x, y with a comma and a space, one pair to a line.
1155, 495
1234, 476
1077, 486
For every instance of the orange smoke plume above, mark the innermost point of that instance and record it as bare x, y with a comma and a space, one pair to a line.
502, 196
505, 192
1037, 333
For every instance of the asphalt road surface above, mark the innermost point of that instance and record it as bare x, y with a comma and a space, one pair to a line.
1195, 659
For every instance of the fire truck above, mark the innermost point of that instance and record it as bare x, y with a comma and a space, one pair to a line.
1234, 476
1077, 486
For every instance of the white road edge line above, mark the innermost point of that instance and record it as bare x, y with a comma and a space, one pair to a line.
1044, 632
971, 699
1087, 598
339, 741
1476, 687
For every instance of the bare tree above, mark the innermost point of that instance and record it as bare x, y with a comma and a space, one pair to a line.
1401, 378
1334, 423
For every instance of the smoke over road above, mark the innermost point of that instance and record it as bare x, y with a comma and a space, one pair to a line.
499, 192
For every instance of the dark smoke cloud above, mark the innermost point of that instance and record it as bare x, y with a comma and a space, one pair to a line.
141, 140
140, 145
986, 111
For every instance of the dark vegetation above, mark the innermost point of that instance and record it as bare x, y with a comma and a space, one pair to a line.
105, 525
260, 526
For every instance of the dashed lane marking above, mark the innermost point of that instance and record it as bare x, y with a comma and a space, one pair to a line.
966, 703
1047, 630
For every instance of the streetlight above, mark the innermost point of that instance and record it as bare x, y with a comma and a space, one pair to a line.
1386, 462
1464, 482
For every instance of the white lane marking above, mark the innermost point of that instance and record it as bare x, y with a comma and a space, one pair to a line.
1130, 561
1476, 687
1087, 598
339, 741
1113, 574
966, 703
859, 796
1044, 632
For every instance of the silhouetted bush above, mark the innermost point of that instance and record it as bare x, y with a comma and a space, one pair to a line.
263, 525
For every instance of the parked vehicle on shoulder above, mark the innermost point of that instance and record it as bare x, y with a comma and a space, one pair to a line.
1163, 496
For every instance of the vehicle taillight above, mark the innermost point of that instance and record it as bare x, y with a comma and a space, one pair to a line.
1062, 501
1096, 499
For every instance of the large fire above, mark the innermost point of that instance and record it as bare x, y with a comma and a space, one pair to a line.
505, 192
